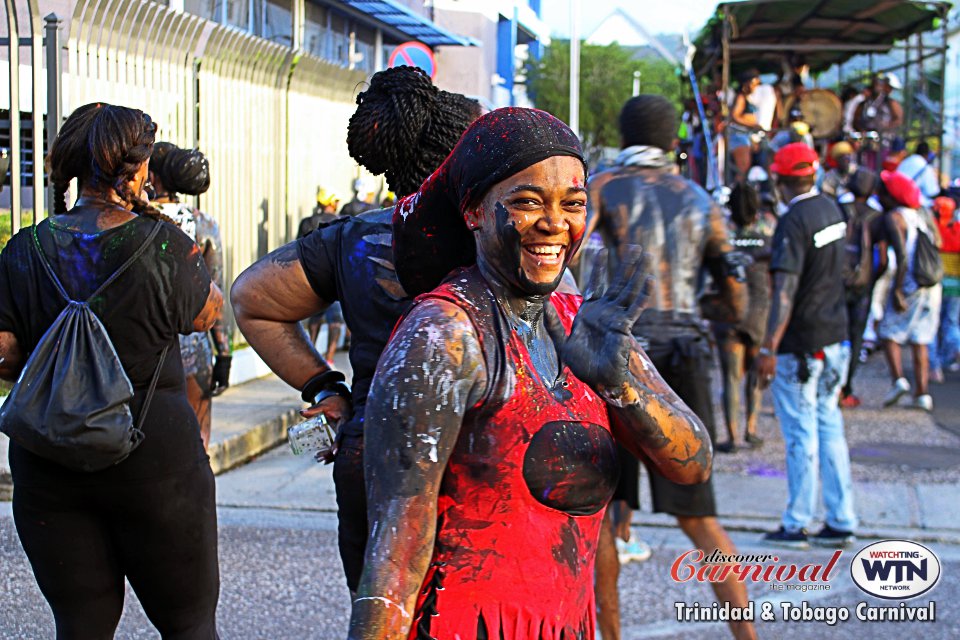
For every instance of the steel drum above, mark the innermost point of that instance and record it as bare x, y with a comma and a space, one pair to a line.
821, 109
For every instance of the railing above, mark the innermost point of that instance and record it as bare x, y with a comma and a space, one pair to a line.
271, 120
44, 97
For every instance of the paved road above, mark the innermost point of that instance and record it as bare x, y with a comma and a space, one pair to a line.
281, 576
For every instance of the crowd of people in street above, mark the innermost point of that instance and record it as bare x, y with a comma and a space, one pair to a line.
524, 335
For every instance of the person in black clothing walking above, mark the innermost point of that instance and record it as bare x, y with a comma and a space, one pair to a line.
351, 261
150, 519
739, 343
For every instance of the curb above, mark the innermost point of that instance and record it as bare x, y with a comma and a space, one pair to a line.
764, 525
236, 450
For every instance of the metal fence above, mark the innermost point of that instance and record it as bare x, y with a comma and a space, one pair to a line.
271, 120
25, 35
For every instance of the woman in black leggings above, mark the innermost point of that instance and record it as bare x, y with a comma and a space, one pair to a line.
152, 517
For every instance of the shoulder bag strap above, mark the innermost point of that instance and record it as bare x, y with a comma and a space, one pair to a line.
922, 169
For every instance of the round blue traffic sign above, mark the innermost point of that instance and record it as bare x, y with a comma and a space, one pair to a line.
414, 54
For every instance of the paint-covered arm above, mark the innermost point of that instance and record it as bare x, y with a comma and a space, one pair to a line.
430, 373
897, 232
649, 419
728, 268
785, 286
269, 300
652, 422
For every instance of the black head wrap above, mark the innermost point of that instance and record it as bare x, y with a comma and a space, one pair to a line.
430, 237
181, 170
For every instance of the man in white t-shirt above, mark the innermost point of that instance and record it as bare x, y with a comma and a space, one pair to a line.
917, 167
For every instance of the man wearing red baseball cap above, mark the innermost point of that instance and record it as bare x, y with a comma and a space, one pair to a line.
912, 313
805, 353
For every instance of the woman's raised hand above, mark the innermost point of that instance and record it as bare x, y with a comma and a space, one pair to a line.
600, 344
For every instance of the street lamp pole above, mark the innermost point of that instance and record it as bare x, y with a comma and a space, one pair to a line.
575, 66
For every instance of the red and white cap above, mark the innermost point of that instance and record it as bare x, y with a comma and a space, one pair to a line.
795, 159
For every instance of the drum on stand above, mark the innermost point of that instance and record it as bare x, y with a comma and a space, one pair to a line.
821, 109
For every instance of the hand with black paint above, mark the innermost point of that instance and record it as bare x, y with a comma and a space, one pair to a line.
600, 344
647, 417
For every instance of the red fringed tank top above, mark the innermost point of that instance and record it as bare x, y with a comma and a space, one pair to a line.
522, 498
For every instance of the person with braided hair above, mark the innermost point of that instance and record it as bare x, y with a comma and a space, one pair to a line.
403, 127
151, 518
175, 171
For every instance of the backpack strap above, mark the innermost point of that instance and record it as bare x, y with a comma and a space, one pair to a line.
116, 274
126, 265
153, 387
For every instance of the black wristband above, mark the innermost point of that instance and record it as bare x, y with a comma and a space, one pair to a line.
322, 382
336, 389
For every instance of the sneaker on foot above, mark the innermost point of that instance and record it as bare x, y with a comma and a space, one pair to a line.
787, 539
753, 440
924, 403
833, 538
897, 391
936, 375
633, 551
849, 402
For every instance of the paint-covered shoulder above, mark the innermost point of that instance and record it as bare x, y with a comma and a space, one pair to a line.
432, 321
377, 216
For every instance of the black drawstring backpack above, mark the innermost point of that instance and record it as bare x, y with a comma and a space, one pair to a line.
71, 403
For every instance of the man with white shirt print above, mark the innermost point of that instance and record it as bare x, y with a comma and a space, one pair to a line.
805, 352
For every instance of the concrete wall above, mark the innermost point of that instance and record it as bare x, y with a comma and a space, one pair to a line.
468, 70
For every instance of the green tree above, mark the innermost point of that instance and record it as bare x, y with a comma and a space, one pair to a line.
606, 82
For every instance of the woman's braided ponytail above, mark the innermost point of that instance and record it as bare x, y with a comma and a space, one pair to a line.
404, 126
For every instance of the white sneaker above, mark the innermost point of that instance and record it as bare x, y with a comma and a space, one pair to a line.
900, 388
924, 403
633, 551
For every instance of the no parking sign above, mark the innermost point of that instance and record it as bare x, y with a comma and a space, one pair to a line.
414, 54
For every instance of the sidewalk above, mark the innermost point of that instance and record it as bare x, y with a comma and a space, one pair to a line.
248, 420
906, 472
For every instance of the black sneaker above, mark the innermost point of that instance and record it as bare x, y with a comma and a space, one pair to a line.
833, 538
787, 539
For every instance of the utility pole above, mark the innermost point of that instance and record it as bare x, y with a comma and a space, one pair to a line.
575, 66
636, 83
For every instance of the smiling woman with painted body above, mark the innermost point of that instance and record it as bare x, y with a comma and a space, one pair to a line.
489, 454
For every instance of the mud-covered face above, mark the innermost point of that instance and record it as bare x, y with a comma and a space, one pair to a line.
530, 225
844, 162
